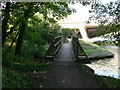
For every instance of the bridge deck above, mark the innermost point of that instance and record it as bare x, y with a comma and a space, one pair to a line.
66, 53
66, 73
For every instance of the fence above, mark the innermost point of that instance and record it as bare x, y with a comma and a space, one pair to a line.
54, 47
78, 50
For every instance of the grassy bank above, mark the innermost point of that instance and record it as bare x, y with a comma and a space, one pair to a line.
109, 82
91, 48
95, 52
18, 76
15, 69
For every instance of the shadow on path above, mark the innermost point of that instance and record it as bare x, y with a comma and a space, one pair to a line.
66, 73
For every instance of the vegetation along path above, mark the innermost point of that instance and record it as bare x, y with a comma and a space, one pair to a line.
66, 73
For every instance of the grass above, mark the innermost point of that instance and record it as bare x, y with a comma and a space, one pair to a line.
91, 48
32, 67
111, 82
15, 66
12, 79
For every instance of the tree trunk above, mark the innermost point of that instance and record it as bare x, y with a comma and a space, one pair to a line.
12, 42
5, 22
20, 39
22, 27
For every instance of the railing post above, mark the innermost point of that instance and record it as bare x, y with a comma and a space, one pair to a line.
77, 48
52, 46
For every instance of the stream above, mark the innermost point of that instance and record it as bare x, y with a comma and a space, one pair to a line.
108, 66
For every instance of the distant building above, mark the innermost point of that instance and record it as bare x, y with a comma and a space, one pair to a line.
91, 31
81, 29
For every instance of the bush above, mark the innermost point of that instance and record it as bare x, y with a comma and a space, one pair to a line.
11, 79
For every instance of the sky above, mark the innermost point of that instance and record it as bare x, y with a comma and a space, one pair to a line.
80, 16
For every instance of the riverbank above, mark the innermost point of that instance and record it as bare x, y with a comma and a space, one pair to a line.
110, 82
104, 54
95, 52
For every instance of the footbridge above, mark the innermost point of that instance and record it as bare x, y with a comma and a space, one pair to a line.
81, 26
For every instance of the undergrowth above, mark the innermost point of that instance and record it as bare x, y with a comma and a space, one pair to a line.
12, 66
12, 79
111, 82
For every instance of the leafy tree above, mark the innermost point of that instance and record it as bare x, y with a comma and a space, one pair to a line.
39, 33
108, 18
5, 21
67, 32
16, 15
20, 12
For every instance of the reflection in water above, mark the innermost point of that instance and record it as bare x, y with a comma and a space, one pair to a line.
109, 66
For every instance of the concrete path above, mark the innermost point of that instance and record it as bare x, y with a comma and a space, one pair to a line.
66, 73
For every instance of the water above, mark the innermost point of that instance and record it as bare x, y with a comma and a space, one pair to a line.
106, 67
109, 66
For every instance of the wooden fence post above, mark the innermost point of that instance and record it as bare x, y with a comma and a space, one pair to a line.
77, 48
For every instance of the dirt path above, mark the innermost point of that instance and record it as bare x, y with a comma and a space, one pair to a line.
66, 73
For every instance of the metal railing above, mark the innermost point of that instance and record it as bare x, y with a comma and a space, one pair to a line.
78, 50
54, 48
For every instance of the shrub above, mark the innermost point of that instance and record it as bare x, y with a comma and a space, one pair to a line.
11, 79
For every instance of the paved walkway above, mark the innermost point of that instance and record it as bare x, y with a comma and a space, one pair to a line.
66, 53
66, 73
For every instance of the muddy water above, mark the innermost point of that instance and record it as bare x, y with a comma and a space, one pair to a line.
109, 66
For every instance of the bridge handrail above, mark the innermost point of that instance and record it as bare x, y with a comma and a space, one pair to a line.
54, 47
77, 48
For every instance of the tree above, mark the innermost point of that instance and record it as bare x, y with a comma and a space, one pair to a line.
22, 11
39, 34
6, 14
108, 18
